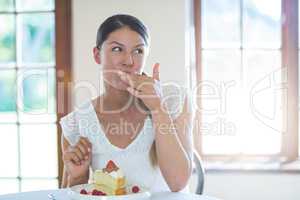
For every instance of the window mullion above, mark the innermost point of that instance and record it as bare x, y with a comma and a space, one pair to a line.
198, 60
290, 61
63, 30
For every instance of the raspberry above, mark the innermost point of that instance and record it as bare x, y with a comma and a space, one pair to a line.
83, 191
135, 189
95, 192
98, 193
102, 193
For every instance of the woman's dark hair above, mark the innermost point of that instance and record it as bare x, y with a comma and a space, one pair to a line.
118, 21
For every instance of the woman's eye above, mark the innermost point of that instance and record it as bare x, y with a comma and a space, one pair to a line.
138, 51
116, 49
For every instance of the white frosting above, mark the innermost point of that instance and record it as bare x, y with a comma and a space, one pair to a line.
117, 174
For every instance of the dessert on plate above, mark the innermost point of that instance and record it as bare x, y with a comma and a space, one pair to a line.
110, 180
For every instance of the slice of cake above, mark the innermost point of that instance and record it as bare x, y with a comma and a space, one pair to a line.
110, 180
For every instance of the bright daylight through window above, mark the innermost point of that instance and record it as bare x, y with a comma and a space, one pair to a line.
27, 95
244, 79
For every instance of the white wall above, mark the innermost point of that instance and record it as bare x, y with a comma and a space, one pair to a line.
166, 21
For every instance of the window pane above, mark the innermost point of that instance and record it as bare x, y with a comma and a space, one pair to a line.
221, 65
6, 117
38, 184
7, 39
38, 36
8, 151
37, 95
262, 125
220, 91
241, 116
220, 23
262, 24
6, 5
9, 186
43, 150
260, 63
8, 91
35, 5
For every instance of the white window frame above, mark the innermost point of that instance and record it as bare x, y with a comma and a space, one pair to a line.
289, 49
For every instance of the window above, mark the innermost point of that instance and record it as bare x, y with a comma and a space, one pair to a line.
28, 145
246, 78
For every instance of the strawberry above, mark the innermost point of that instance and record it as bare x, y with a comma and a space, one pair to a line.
83, 191
135, 189
111, 166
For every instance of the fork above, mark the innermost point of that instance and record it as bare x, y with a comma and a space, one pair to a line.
51, 196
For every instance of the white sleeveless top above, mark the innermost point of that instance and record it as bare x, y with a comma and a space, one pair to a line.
134, 160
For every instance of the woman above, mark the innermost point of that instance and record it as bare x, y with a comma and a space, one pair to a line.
134, 122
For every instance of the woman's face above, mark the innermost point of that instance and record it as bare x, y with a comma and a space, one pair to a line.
123, 50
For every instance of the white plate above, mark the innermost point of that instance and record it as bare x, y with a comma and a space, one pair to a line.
74, 193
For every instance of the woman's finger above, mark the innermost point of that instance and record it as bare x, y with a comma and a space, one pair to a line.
133, 92
83, 149
155, 73
77, 151
86, 143
75, 158
136, 82
71, 157
131, 79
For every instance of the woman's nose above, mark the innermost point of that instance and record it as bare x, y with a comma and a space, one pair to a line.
128, 60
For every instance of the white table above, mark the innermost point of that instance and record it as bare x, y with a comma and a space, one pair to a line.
62, 194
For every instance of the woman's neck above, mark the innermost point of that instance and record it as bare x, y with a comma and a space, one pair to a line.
116, 100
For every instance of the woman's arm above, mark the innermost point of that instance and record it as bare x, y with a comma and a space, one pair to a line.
174, 146
173, 137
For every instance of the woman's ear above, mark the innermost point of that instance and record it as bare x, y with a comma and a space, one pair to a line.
96, 53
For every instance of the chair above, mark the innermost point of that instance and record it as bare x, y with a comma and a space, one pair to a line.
200, 173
